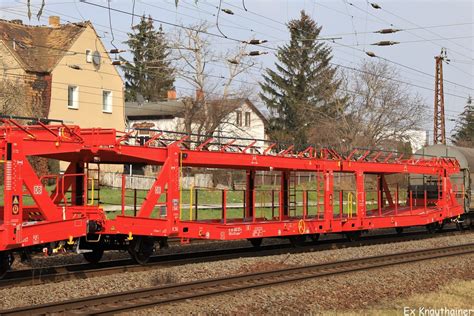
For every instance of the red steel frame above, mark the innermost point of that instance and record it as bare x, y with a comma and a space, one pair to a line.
60, 221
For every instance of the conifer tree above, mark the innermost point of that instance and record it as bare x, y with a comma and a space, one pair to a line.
150, 74
302, 89
464, 131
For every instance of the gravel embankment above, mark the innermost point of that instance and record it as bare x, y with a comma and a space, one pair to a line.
356, 290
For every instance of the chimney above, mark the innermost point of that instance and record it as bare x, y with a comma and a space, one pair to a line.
54, 21
171, 94
199, 95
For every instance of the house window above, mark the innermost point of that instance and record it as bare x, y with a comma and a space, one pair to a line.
239, 118
107, 101
247, 119
73, 97
88, 56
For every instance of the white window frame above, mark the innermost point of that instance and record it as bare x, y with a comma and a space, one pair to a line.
107, 108
88, 55
74, 99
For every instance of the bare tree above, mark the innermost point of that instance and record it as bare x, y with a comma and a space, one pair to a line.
379, 113
13, 99
217, 94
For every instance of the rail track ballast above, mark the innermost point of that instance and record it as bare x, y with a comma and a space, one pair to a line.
59, 212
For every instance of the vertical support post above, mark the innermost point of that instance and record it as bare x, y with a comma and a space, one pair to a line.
254, 210
191, 189
305, 204
77, 194
280, 205
244, 209
379, 198
396, 202
341, 203
196, 194
328, 195
360, 209
123, 194
135, 202
13, 200
411, 202
273, 204
284, 192
224, 206
249, 195
425, 199
379, 195
397, 197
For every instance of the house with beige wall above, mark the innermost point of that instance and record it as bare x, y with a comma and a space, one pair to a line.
66, 71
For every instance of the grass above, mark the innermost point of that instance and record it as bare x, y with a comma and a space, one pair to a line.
234, 200
455, 295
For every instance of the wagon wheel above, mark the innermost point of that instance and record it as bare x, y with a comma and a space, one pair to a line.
94, 256
256, 242
314, 237
6, 260
353, 236
141, 249
434, 227
297, 240
399, 230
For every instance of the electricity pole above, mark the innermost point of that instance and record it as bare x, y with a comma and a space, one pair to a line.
439, 132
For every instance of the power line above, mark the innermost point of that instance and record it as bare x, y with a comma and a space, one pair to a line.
441, 46
234, 39
426, 29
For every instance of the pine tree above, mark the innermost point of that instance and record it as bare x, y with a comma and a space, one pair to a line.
464, 130
150, 74
303, 88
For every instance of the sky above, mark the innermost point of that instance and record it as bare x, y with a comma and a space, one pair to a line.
427, 27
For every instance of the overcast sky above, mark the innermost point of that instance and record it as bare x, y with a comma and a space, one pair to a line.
353, 20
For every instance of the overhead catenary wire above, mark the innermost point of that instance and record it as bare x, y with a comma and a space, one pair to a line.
183, 26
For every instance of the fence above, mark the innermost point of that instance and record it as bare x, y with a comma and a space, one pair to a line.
114, 180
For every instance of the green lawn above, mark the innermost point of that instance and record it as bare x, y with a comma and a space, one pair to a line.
210, 202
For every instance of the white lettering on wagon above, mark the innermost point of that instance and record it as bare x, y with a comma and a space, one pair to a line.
235, 231
158, 189
258, 231
37, 189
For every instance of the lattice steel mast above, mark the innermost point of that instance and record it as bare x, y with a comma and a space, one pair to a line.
439, 132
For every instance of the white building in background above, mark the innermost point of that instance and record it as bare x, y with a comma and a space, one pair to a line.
417, 138
245, 121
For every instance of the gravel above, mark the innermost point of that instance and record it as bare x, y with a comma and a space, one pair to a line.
355, 290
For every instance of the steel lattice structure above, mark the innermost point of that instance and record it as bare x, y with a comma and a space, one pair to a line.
67, 215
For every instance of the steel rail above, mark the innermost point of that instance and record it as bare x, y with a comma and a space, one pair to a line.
110, 304
44, 275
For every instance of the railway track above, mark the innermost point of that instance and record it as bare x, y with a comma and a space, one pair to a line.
143, 298
81, 271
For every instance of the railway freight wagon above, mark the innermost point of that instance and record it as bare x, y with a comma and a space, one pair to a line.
462, 181
55, 213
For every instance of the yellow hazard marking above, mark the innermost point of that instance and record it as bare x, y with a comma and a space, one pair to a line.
301, 226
